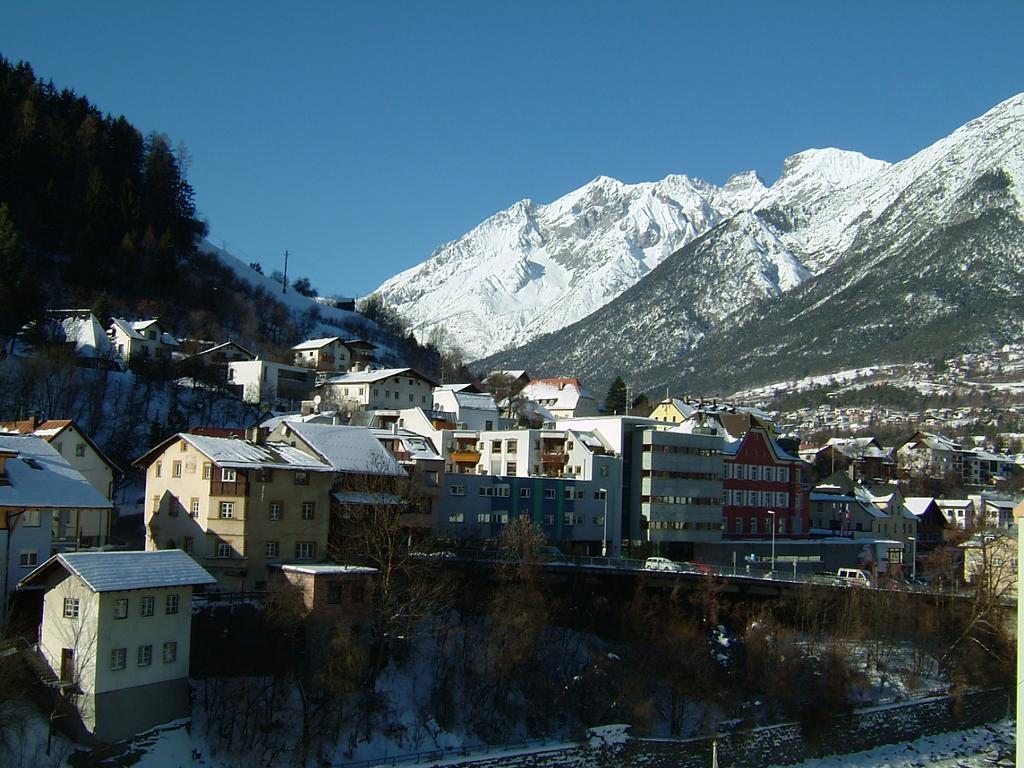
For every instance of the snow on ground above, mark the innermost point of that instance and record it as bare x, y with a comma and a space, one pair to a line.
987, 745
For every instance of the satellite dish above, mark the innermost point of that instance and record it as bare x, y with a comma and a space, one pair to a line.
317, 399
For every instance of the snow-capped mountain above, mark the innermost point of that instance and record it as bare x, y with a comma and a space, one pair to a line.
532, 269
844, 260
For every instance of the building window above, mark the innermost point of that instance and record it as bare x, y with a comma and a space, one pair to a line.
227, 475
223, 549
70, 607
600, 495
118, 658
176, 469
308, 510
335, 592
156, 505
270, 549
146, 607
275, 511
265, 476
31, 518
457, 490
753, 525
456, 517
227, 509
171, 604
158, 468
302, 478
121, 608
145, 655
549, 493
524, 493
549, 519
189, 545
305, 550
29, 558
170, 652
193, 507
207, 470
739, 525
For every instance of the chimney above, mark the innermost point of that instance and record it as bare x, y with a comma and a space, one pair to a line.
255, 435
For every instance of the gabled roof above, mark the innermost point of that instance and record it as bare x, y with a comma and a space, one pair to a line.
38, 476
919, 505
234, 453
557, 394
117, 571
379, 374
316, 343
50, 430
221, 346
133, 329
346, 448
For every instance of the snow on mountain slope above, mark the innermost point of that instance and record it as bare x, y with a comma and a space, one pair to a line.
534, 269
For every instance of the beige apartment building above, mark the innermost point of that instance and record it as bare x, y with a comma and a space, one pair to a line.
237, 506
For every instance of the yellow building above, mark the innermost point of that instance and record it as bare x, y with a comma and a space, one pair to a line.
237, 506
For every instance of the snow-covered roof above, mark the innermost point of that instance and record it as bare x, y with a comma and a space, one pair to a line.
316, 343
955, 503
474, 401
918, 505
233, 453
417, 446
366, 498
134, 328
328, 569
117, 571
347, 448
87, 335
38, 476
373, 375
556, 394
222, 346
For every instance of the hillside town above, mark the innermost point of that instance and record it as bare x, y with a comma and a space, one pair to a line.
102, 562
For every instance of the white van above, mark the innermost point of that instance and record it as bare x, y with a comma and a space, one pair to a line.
852, 577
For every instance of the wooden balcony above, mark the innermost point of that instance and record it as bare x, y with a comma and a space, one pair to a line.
465, 457
554, 457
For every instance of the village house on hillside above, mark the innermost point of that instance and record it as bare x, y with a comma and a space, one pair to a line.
45, 506
73, 444
116, 634
236, 505
141, 339
559, 398
263, 382
371, 388
333, 354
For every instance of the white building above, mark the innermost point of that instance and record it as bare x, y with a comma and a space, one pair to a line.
472, 410
143, 339
44, 505
116, 631
262, 381
387, 388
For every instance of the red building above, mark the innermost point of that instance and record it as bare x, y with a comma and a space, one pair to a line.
762, 477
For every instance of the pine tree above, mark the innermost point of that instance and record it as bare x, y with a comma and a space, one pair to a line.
615, 401
21, 299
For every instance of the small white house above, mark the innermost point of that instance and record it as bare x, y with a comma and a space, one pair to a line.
116, 632
264, 381
141, 339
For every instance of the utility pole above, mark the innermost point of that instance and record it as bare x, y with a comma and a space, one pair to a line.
284, 288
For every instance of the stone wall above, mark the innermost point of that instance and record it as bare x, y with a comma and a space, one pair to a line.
864, 729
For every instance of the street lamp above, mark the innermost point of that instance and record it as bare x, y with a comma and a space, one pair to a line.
772, 513
604, 533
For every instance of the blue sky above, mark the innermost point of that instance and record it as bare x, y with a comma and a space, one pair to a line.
360, 136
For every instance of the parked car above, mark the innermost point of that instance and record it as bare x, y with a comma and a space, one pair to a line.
852, 577
662, 564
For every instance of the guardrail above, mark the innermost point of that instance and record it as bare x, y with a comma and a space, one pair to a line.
754, 573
